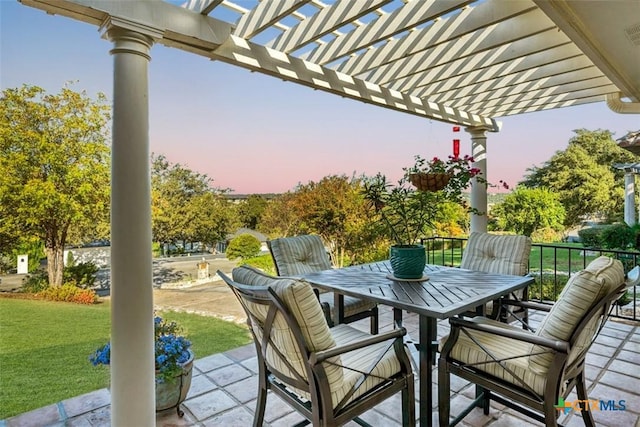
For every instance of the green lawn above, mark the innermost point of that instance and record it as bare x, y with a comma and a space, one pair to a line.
45, 348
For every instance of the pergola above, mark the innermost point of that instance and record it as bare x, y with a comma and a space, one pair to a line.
463, 62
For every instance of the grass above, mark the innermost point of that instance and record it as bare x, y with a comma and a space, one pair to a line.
45, 348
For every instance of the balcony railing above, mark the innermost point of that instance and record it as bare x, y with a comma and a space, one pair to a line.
550, 264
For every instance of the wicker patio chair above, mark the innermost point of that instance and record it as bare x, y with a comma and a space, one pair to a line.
529, 371
298, 255
502, 254
330, 376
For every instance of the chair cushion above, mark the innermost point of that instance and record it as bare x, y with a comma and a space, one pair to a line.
361, 360
303, 304
503, 254
517, 352
582, 291
299, 255
248, 275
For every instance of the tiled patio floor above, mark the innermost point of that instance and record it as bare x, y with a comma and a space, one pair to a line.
223, 392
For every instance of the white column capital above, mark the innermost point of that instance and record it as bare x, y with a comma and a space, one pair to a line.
127, 39
478, 131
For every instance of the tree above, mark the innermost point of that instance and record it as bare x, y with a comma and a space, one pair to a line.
216, 218
54, 167
583, 177
185, 206
526, 210
279, 218
250, 211
333, 208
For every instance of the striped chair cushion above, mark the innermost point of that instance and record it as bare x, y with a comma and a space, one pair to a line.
304, 306
581, 292
361, 360
299, 255
248, 275
501, 254
517, 352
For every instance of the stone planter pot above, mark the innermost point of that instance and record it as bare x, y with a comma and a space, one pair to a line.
170, 394
408, 261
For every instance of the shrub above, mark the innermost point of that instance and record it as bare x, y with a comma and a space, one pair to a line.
592, 237
262, 262
83, 274
546, 235
625, 299
244, 246
35, 283
69, 292
156, 249
545, 285
618, 236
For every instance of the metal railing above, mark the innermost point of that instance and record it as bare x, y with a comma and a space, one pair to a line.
550, 264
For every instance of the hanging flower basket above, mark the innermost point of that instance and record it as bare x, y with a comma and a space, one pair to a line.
429, 181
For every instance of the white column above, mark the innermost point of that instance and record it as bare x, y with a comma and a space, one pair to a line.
629, 199
479, 189
132, 345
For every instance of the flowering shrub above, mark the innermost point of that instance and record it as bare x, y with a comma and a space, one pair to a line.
69, 292
171, 350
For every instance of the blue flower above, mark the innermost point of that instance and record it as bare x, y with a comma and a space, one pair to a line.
171, 350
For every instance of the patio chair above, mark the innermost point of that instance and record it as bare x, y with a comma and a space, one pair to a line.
529, 371
502, 254
294, 256
330, 376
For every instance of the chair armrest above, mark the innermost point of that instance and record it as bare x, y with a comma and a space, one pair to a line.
556, 345
527, 304
321, 356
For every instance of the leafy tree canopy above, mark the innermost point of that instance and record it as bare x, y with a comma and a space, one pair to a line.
526, 210
583, 177
185, 206
54, 168
251, 210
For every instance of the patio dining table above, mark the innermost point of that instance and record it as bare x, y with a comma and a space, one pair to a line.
444, 292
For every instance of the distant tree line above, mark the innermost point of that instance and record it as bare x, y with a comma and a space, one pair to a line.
54, 191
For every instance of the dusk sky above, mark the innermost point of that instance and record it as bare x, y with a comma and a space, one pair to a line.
257, 134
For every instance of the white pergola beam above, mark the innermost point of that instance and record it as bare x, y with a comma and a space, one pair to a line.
259, 58
327, 20
168, 24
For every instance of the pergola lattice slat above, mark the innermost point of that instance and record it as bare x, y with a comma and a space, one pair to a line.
265, 15
527, 79
287, 67
402, 19
324, 22
465, 48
